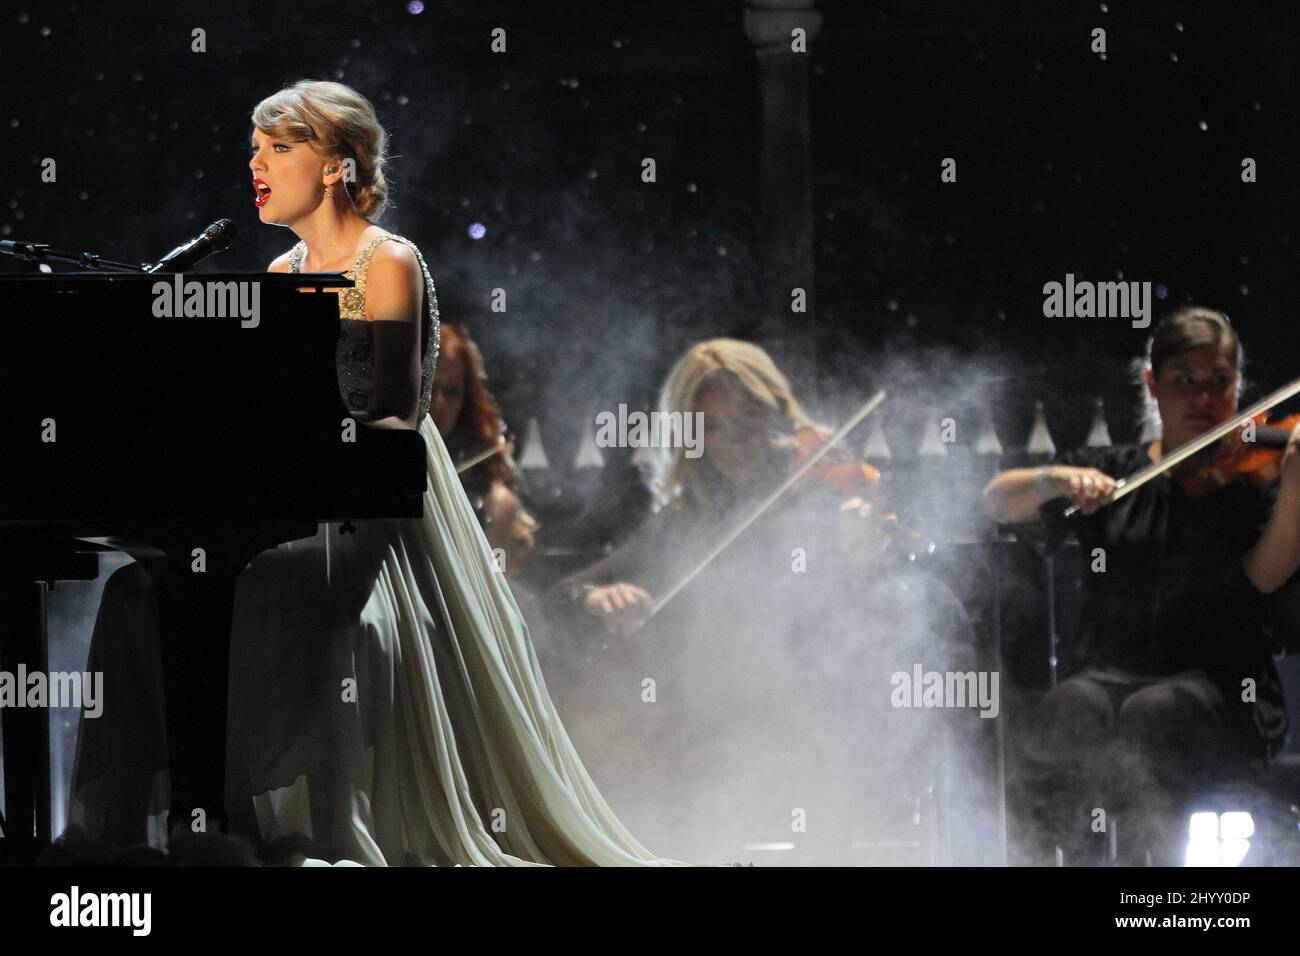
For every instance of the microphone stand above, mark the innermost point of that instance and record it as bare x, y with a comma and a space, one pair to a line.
42, 254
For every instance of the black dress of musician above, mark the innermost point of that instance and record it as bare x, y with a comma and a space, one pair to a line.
1174, 681
763, 689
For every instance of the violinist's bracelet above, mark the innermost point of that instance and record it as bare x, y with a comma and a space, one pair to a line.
1043, 484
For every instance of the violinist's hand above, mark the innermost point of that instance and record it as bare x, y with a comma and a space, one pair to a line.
1086, 487
623, 607
868, 534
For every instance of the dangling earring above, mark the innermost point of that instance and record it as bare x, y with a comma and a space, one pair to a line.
329, 191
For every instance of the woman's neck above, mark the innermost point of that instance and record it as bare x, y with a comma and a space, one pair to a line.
331, 235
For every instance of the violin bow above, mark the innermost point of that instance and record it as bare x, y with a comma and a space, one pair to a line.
836, 437
482, 456
1158, 468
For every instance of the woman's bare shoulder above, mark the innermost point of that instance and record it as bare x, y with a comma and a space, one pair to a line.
395, 283
282, 262
396, 256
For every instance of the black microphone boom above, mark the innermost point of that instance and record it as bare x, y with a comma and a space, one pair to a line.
215, 238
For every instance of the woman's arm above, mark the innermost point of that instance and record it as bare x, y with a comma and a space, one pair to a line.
1014, 496
605, 589
1276, 555
394, 297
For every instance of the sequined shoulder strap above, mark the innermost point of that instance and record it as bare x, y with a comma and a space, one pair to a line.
299, 253
296, 256
362, 265
363, 260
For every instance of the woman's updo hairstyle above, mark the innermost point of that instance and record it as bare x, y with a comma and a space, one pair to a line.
337, 121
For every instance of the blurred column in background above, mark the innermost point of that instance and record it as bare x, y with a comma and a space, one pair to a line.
785, 181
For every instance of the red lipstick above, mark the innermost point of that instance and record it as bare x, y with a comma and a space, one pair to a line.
263, 191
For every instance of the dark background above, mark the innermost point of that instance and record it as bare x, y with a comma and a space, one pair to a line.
1066, 163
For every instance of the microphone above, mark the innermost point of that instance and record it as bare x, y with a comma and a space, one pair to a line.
215, 238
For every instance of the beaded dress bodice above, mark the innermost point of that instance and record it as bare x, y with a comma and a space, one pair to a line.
354, 358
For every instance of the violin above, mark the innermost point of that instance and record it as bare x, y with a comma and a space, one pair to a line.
1240, 422
840, 471
837, 469
819, 450
1256, 463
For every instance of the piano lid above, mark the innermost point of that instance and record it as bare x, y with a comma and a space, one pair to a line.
56, 280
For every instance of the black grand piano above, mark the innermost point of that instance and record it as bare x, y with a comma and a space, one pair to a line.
187, 442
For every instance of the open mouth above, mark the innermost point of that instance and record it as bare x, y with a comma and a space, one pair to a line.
263, 192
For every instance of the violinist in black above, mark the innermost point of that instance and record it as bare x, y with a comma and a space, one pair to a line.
1173, 669
772, 663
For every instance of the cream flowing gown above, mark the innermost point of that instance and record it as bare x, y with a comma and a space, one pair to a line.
385, 698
